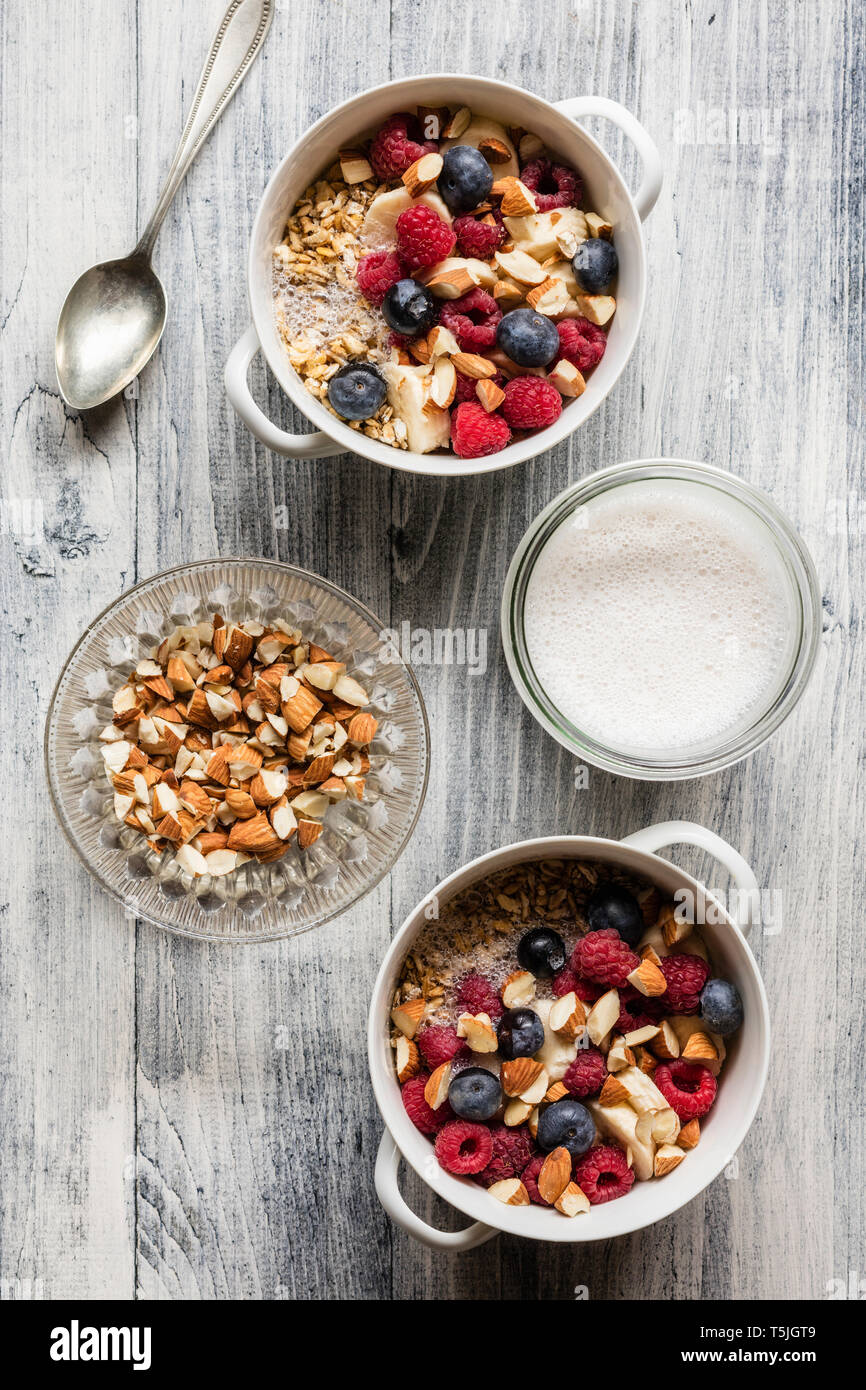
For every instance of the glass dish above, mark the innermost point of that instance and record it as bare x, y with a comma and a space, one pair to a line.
258, 902
697, 760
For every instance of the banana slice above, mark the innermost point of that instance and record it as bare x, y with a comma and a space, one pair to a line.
379, 228
618, 1122
556, 1055
643, 1093
545, 234
481, 128
428, 425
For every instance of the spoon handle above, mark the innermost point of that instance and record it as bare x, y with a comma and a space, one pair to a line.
241, 34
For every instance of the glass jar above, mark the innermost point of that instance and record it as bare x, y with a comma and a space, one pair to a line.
788, 555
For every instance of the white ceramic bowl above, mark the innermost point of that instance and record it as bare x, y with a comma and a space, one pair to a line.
605, 193
742, 1081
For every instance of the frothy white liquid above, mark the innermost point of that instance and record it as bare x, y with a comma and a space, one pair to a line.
658, 617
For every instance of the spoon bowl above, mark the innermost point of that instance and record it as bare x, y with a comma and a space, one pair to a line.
109, 327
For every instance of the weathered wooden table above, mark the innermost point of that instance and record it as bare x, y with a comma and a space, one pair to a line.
189, 1122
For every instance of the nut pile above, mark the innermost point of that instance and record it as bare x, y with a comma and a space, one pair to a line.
558, 1033
232, 739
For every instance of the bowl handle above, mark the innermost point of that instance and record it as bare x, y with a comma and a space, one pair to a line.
300, 446
388, 1192
685, 832
653, 177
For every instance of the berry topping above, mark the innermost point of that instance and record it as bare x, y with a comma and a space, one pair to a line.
721, 1007
566, 1124
356, 391
472, 319
531, 403
409, 308
474, 433
462, 1147
582, 343
420, 1113
554, 185
587, 1073
566, 981
512, 1150
521, 1033
541, 950
595, 264
686, 976
688, 1087
397, 145
633, 1011
613, 906
604, 956
529, 1178
528, 338
466, 178
465, 390
603, 1174
376, 274
438, 1043
422, 237
476, 995
476, 238
475, 1094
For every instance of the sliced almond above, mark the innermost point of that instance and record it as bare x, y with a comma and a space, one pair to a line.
220, 862
346, 688
567, 1016
668, 1157
637, 1037
489, 394
510, 1191
690, 1135
665, 1044
478, 1031
436, 1090
518, 990
421, 176
408, 1015
619, 1055
444, 383
572, 1201
266, 788
530, 147
517, 199
673, 928
191, 860
598, 226
408, 1059
602, 1016
556, 1092
520, 267
507, 293
555, 1175
282, 818
551, 297
441, 342
518, 1075
700, 1048
458, 124
308, 832
494, 151
516, 1112
612, 1092
598, 308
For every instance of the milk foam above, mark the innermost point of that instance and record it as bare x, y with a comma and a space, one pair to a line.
658, 617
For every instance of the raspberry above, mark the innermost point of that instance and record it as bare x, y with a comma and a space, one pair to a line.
474, 433
566, 981
604, 956
531, 403
629, 1017
603, 1173
478, 239
587, 1073
476, 995
392, 151
466, 387
686, 976
463, 1147
376, 274
529, 1178
439, 1043
472, 333
419, 1112
688, 1087
422, 237
554, 185
582, 343
512, 1150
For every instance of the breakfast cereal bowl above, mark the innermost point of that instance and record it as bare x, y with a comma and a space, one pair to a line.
556, 125
181, 881
742, 1078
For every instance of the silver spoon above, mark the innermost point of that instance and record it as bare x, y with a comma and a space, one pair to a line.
114, 315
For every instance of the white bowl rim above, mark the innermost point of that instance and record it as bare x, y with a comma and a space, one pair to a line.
462, 1193
446, 465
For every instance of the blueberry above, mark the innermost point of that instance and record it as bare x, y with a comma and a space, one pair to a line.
612, 906
566, 1124
356, 391
528, 338
721, 1007
595, 264
475, 1094
466, 178
521, 1033
542, 951
409, 308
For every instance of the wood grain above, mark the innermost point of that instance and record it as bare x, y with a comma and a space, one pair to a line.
189, 1122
